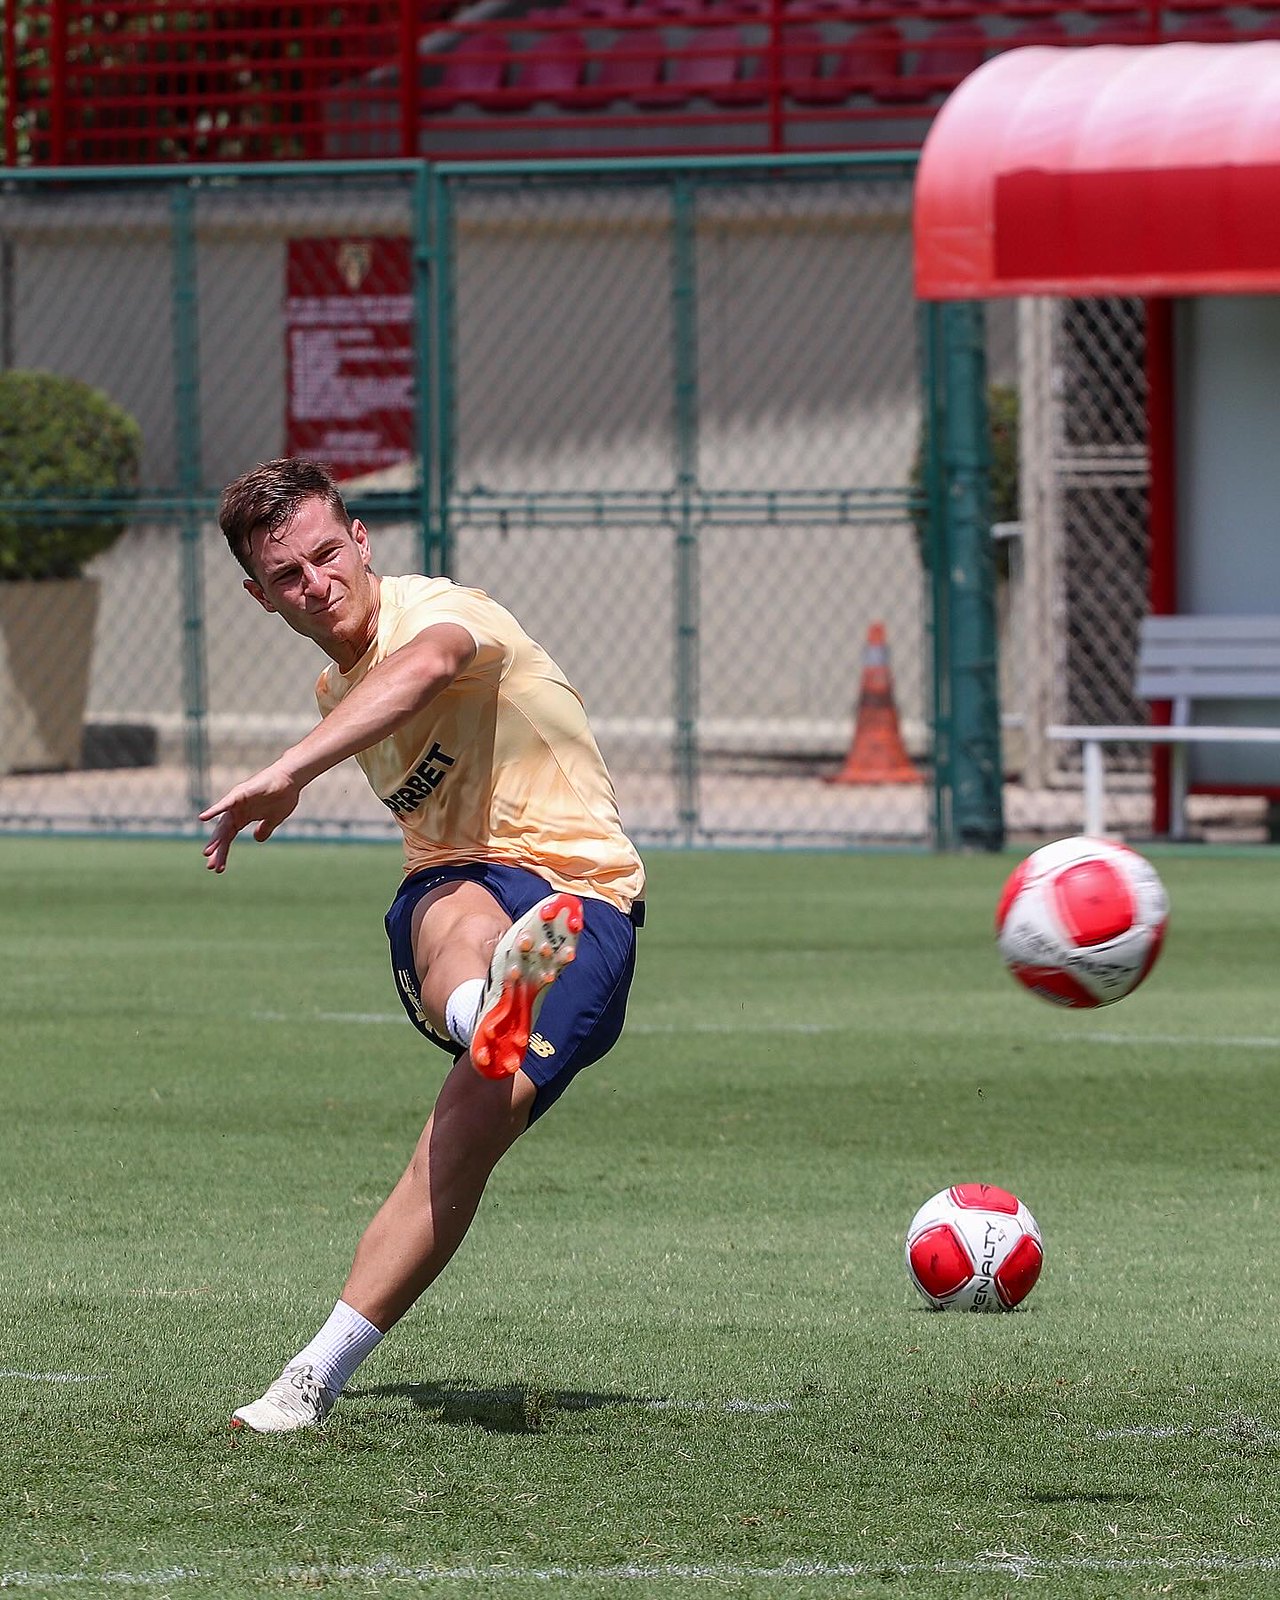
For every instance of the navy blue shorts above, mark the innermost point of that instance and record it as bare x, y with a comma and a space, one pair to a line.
585, 1007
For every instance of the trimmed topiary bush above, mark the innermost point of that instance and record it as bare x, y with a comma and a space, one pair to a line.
60, 438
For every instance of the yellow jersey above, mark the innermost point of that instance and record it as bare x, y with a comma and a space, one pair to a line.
502, 765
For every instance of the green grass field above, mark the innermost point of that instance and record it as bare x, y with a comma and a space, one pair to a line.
679, 1353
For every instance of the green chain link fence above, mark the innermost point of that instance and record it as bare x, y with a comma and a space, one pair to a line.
670, 415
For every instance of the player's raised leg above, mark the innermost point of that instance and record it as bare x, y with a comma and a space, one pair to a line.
482, 977
526, 961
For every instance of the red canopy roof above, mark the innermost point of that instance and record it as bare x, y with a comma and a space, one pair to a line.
1109, 170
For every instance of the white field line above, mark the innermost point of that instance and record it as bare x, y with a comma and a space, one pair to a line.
373, 1018
1196, 1040
1082, 1036
758, 1408
740, 1027
53, 1377
364, 1018
1244, 1428
1018, 1564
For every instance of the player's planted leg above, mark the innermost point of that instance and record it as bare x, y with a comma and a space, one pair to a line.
528, 958
407, 1244
306, 1390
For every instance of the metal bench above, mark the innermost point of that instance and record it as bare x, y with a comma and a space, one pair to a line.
1186, 660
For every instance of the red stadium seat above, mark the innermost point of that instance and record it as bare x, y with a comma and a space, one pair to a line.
869, 62
1211, 27
804, 51
822, 10
1042, 30
631, 67
724, 68
551, 68
1131, 29
941, 60
475, 70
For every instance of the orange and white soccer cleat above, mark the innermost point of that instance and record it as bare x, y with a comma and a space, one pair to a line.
528, 958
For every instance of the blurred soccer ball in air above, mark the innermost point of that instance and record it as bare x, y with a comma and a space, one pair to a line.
974, 1247
1081, 922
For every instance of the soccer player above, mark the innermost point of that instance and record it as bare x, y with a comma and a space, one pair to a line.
521, 895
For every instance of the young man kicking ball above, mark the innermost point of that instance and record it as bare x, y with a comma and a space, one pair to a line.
521, 895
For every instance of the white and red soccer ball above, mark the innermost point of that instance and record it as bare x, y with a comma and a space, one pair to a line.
1081, 922
974, 1247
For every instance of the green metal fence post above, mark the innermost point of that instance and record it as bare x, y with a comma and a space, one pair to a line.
186, 384
424, 272
977, 816
443, 400
684, 332
936, 577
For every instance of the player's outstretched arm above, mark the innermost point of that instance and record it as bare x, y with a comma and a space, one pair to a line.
267, 798
381, 702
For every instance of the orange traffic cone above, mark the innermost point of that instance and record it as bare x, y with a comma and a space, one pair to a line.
877, 754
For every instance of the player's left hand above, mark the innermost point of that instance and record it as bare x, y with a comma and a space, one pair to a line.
267, 798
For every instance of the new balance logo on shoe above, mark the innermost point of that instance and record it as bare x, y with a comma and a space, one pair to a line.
529, 957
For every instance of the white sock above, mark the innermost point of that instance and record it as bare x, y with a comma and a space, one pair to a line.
339, 1348
461, 1008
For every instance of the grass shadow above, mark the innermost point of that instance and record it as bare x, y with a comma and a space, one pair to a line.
512, 1408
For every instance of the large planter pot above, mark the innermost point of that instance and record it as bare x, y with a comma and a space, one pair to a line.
46, 641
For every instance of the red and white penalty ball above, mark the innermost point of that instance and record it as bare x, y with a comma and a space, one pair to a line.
1081, 922
974, 1247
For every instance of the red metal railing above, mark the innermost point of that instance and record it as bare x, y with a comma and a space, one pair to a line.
142, 80
121, 81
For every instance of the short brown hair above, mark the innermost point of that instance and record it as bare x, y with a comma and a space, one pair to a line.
269, 495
